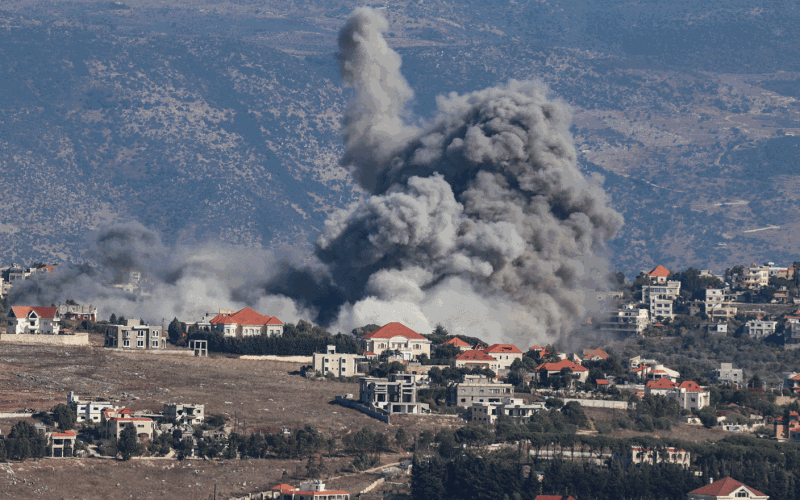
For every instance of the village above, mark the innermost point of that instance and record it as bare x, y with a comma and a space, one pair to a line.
400, 374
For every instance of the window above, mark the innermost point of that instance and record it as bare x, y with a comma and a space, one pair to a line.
126, 343
140, 343
154, 333
155, 344
140, 334
742, 494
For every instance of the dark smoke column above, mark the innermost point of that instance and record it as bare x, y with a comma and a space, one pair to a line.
484, 206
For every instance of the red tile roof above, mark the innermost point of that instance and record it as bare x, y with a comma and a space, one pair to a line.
601, 381
42, 312
662, 383
474, 355
659, 271
536, 348
595, 353
394, 330
691, 386
65, 434
503, 348
455, 341
370, 353
246, 317
724, 487
564, 363
284, 488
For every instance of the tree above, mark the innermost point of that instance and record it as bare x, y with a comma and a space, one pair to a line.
128, 443
64, 416
113, 319
176, 331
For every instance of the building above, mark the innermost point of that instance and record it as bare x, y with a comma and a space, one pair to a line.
594, 355
393, 395
726, 489
338, 365
758, 329
688, 394
667, 290
113, 422
310, 490
134, 335
246, 323
397, 337
474, 389
674, 456
754, 277
718, 328
650, 369
513, 408
474, 358
792, 382
659, 274
33, 320
546, 370
190, 414
505, 354
62, 444
727, 374
460, 344
88, 411
629, 320
77, 312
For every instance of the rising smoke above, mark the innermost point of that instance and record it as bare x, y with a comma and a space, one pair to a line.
479, 220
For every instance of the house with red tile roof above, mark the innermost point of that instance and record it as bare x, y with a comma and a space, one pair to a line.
784, 426
546, 370
310, 490
505, 354
396, 337
33, 320
659, 274
62, 444
113, 422
246, 323
457, 342
594, 354
726, 489
688, 393
474, 358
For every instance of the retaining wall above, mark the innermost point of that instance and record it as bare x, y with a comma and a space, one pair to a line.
349, 403
15, 415
78, 339
599, 403
289, 359
152, 351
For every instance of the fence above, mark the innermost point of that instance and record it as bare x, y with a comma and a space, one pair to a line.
349, 403
601, 403
77, 339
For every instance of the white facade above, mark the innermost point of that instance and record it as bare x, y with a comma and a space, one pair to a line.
33, 321
514, 408
758, 328
754, 277
669, 290
88, 411
629, 320
338, 365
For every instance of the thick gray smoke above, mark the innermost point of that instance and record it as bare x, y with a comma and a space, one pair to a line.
184, 280
480, 220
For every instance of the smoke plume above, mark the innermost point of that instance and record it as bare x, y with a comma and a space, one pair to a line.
479, 220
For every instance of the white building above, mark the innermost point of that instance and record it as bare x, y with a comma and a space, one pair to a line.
757, 328
246, 323
630, 320
669, 290
88, 411
754, 277
396, 337
505, 354
727, 374
33, 320
338, 364
514, 408
134, 335
688, 394
190, 414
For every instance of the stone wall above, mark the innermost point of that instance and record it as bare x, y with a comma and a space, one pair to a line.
78, 339
289, 359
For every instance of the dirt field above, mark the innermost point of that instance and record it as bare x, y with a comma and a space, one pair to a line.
696, 433
259, 394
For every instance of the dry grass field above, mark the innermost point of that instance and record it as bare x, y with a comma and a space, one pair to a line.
256, 394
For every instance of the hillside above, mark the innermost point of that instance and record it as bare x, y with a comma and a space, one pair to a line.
211, 120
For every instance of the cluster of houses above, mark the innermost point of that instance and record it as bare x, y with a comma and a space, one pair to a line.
660, 296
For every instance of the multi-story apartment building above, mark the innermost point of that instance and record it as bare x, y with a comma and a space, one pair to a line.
477, 389
629, 320
135, 335
727, 374
397, 394
88, 411
513, 408
754, 277
338, 364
